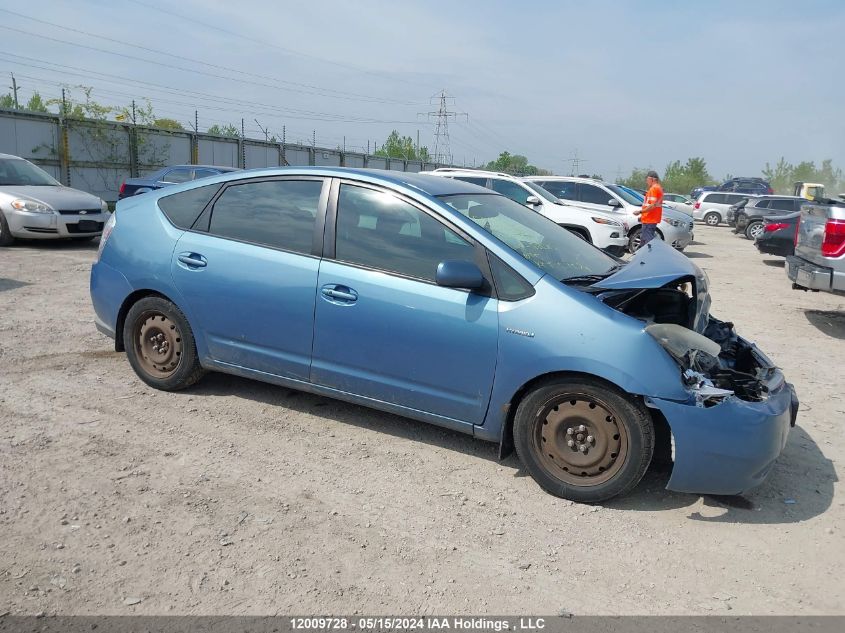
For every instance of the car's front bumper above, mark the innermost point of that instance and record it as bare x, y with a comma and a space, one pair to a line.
806, 274
731, 447
38, 226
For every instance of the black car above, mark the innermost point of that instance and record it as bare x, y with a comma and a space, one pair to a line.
778, 236
751, 219
747, 185
169, 176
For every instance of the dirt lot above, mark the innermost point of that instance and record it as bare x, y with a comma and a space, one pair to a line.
237, 497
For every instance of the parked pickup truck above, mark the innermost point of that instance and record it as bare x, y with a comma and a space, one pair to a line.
819, 260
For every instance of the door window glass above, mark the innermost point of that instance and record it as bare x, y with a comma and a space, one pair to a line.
511, 190
560, 188
378, 230
277, 213
593, 194
177, 175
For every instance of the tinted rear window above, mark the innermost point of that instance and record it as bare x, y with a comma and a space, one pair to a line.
183, 208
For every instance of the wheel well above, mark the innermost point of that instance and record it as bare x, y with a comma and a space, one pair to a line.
581, 231
662, 433
131, 300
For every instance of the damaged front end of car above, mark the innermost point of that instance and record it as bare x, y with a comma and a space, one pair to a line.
733, 426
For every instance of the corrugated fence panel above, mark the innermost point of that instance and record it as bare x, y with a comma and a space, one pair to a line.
160, 149
354, 160
217, 151
29, 138
413, 165
296, 155
101, 181
261, 155
397, 165
103, 144
376, 162
327, 158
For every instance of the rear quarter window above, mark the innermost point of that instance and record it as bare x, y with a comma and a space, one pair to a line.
183, 208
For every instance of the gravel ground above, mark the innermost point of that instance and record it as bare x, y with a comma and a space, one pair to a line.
237, 497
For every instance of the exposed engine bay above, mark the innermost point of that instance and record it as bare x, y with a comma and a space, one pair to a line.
716, 363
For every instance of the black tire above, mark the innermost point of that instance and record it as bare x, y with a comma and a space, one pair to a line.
160, 345
617, 431
712, 219
87, 238
6, 238
582, 234
634, 240
754, 229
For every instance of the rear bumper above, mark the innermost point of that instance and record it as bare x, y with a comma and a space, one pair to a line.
810, 276
781, 248
109, 289
731, 447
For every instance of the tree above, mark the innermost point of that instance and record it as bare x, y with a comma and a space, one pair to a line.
168, 124
402, 147
88, 109
677, 177
783, 176
7, 100
515, 164
225, 130
36, 103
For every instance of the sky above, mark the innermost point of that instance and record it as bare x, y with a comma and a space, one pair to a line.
618, 84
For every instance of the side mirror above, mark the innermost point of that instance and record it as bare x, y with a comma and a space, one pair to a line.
613, 202
457, 273
533, 201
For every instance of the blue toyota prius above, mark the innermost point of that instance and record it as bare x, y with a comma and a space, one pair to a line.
448, 303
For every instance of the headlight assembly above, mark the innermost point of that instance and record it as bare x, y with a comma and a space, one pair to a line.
606, 221
31, 206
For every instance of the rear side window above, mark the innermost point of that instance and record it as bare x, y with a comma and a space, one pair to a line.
733, 198
785, 205
276, 213
761, 204
178, 175
715, 198
182, 209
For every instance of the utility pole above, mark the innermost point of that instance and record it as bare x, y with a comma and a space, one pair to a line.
314, 138
14, 88
575, 162
442, 150
263, 129
243, 146
133, 111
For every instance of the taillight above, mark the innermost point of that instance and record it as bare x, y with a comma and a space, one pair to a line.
833, 244
697, 205
769, 190
122, 188
107, 229
777, 226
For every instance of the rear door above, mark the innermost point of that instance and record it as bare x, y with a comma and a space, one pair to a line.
384, 329
594, 197
248, 271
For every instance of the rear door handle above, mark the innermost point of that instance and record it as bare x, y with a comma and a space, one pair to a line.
192, 260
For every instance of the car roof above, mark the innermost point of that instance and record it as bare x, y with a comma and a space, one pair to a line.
11, 156
218, 167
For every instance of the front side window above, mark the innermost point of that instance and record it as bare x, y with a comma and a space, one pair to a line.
563, 189
276, 213
593, 194
511, 190
377, 229
205, 173
550, 247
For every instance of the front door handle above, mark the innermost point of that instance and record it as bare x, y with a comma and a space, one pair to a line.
339, 294
192, 260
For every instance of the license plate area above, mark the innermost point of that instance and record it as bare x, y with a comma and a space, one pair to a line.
88, 226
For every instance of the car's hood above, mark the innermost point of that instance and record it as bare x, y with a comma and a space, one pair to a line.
58, 197
656, 265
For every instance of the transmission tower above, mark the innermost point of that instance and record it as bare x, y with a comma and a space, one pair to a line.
575, 162
442, 151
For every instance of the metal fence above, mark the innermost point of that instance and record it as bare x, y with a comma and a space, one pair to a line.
96, 156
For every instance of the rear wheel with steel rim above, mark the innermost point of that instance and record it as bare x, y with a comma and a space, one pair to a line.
583, 439
635, 238
712, 219
160, 345
754, 230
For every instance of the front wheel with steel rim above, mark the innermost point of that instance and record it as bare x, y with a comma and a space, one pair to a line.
754, 230
160, 345
583, 439
712, 219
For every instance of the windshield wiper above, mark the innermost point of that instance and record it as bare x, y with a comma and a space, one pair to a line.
578, 279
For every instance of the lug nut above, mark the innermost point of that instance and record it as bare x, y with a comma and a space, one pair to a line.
570, 443
591, 439
569, 431
583, 448
582, 428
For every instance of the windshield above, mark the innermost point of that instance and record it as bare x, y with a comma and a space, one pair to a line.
16, 171
541, 192
551, 248
631, 197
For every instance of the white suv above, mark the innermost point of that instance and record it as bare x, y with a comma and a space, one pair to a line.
676, 227
603, 230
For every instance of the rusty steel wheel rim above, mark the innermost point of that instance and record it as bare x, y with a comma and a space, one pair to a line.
158, 344
580, 440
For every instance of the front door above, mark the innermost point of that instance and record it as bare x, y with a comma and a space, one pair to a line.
384, 329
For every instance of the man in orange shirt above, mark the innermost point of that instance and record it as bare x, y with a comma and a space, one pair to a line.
652, 211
